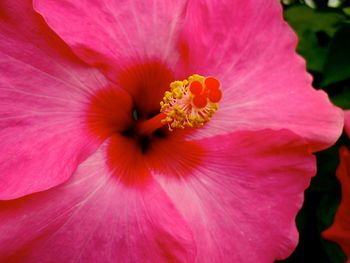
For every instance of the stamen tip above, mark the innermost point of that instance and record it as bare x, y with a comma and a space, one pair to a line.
191, 103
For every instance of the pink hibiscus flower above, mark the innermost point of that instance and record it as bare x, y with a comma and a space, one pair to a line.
86, 177
339, 231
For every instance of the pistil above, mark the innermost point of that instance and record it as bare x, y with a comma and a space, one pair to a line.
149, 126
188, 104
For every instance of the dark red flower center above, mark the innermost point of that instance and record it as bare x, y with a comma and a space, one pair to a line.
138, 131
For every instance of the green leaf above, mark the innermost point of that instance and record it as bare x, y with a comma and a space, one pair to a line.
346, 10
337, 63
342, 99
315, 28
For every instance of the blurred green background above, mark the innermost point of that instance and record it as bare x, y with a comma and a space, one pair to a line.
323, 28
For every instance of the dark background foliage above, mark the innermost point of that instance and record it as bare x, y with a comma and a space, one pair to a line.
324, 42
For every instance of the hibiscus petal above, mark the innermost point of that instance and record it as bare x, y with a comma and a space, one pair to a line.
248, 46
264, 81
95, 218
340, 231
114, 33
44, 89
242, 202
347, 122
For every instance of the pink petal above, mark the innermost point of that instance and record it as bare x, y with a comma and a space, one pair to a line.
340, 229
242, 202
248, 46
112, 34
44, 89
245, 44
94, 218
347, 122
